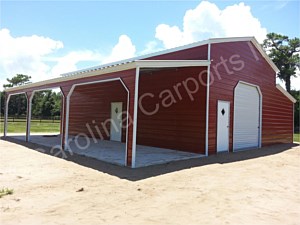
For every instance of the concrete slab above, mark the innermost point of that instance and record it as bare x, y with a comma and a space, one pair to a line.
111, 151
147, 155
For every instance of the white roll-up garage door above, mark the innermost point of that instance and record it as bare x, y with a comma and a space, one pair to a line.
246, 117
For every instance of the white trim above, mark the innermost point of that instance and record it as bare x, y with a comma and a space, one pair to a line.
260, 113
68, 104
30, 104
89, 73
17, 93
68, 108
6, 111
207, 101
6, 116
135, 112
66, 147
29, 115
92, 82
62, 117
128, 94
131, 64
264, 54
170, 63
229, 39
228, 125
288, 95
260, 117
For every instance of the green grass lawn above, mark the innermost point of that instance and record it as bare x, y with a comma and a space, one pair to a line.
47, 126
36, 126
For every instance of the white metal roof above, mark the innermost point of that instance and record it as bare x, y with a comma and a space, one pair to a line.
137, 61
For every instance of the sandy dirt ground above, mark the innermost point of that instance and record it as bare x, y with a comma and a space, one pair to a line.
251, 187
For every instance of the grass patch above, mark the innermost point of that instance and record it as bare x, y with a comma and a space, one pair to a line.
6, 191
36, 126
296, 137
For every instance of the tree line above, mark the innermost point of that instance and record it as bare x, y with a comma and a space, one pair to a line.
44, 103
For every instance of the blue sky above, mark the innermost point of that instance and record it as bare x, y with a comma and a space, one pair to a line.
46, 38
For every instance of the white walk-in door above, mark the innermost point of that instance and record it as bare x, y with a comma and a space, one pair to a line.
246, 117
223, 126
116, 121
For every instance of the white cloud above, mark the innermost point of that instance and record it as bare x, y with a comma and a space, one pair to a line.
68, 63
27, 45
24, 54
171, 36
36, 56
151, 46
208, 21
122, 50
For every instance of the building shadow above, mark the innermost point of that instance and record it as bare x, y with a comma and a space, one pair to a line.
157, 170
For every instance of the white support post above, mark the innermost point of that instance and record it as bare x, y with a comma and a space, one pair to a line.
6, 116
67, 121
62, 114
29, 116
207, 102
260, 116
135, 112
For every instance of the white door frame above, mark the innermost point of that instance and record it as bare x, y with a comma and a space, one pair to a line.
5, 130
30, 108
260, 113
228, 102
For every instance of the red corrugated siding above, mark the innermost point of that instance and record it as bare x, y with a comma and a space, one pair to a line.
277, 123
197, 53
128, 77
91, 104
180, 126
277, 119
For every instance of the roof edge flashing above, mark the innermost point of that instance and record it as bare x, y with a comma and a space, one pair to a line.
288, 95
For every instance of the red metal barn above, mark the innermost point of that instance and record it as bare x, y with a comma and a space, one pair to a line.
207, 97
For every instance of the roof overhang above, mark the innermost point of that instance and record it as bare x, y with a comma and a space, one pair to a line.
115, 68
170, 63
